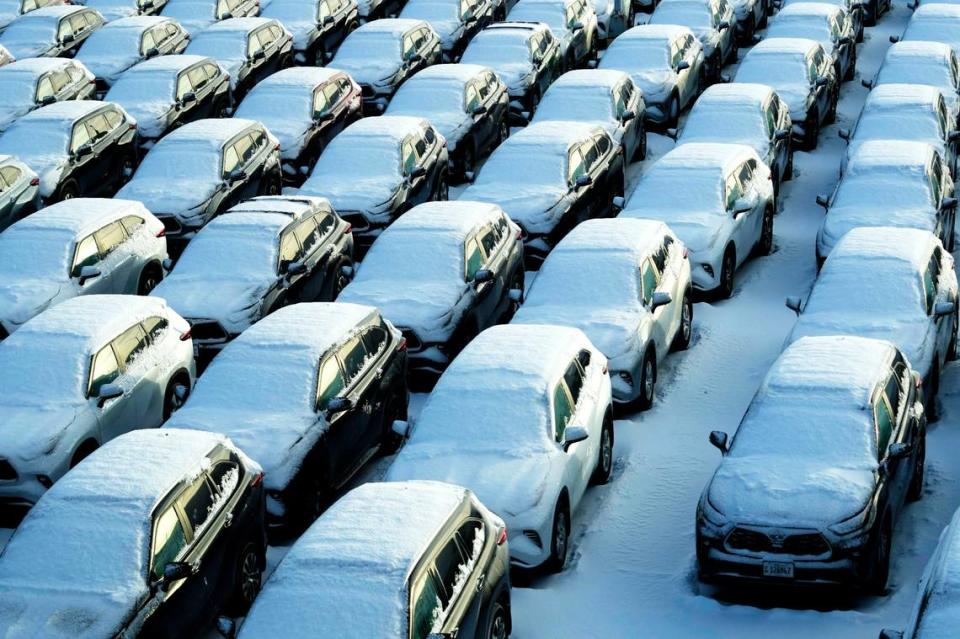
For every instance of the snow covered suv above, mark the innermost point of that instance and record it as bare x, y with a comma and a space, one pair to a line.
19, 190
922, 62
573, 23
257, 257
311, 392
442, 273
544, 420
28, 84
813, 483
80, 374
426, 559
149, 537
54, 31
712, 21
77, 247
626, 284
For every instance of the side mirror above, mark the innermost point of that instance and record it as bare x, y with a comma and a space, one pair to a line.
660, 298
673, 133
894, 39
782, 134
483, 275
954, 136
227, 627
822, 81
844, 134
328, 20
576, 26
83, 151
480, 110
401, 427
756, 38
226, 15
339, 405
823, 201
108, 392
188, 97
296, 268
167, 265
742, 205
886, 633
619, 202
583, 180
418, 172
867, 84
942, 309
68, 38
258, 55
948, 203
415, 58
152, 52
48, 99
574, 434
899, 450
146, 5
726, 78
683, 65
236, 175
913, 5
845, 40
719, 440
794, 303
723, 26
175, 571
89, 273
627, 115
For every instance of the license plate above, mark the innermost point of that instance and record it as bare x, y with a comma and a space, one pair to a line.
779, 569
196, 350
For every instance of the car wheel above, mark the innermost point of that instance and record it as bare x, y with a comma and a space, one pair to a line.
560, 537
685, 331
468, 164
504, 131
247, 582
788, 170
604, 469
640, 153
272, 185
648, 380
952, 347
68, 190
570, 62
880, 572
498, 626
852, 69
443, 190
765, 246
149, 279
178, 390
931, 407
727, 269
127, 166
391, 441
338, 280
813, 131
673, 111
831, 116
83, 451
221, 109
916, 482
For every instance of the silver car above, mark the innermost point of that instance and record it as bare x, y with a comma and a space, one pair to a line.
19, 190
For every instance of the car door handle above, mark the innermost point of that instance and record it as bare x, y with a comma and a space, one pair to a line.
480, 581
228, 520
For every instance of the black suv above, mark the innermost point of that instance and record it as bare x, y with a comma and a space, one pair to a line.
318, 26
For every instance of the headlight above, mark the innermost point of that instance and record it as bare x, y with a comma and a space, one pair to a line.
863, 519
713, 516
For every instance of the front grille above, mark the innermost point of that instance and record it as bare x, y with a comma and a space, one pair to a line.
7, 473
533, 536
413, 342
207, 331
811, 544
171, 223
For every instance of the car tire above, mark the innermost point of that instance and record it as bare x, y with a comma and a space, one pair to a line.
394, 410
648, 380
831, 116
272, 185
640, 153
221, 108
812, 132
880, 559
247, 580
176, 394
517, 282
765, 244
503, 132
952, 347
570, 62
788, 170
468, 163
727, 274
852, 69
149, 278
604, 469
931, 407
68, 191
915, 492
559, 536
681, 341
338, 281
126, 168
498, 626
673, 111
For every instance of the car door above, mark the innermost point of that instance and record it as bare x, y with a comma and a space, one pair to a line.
458, 574
686, 84
652, 282
570, 409
259, 48
103, 138
117, 258
7, 196
475, 112
891, 416
203, 90
114, 363
311, 283
83, 164
484, 247
773, 123
664, 262
943, 325
416, 184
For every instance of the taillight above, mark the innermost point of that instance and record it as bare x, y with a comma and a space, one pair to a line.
276, 147
686, 252
185, 336
35, 182
162, 232
132, 126
606, 369
402, 346
502, 539
257, 480
918, 381
349, 228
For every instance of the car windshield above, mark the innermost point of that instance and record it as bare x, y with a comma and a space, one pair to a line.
511, 165
421, 99
290, 10
187, 10
903, 123
428, 11
253, 249
17, 90
349, 158
219, 45
932, 30
35, 254
701, 192
716, 123
173, 160
882, 188
42, 363
810, 27
842, 288
364, 47
913, 71
111, 43
636, 54
272, 106
31, 32
579, 104
775, 70
35, 139
135, 87
688, 14
438, 259
549, 14
490, 50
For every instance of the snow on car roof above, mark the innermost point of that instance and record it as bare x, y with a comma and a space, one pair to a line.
586, 79
66, 110
705, 155
636, 236
895, 95
938, 607
556, 2
167, 63
35, 66
554, 137
885, 244
395, 26
458, 72
288, 205
654, 31
393, 127
347, 574
738, 93
778, 46
935, 11
298, 77
455, 217
93, 319
821, 9
137, 22
81, 215
240, 25
902, 156
213, 130
55, 11
919, 49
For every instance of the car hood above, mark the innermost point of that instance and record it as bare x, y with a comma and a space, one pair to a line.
290, 131
109, 69
356, 194
840, 220
655, 83
612, 330
531, 206
367, 71
427, 308
29, 432
513, 75
771, 491
52, 613
168, 196
234, 305
151, 117
21, 300
796, 99
698, 231
9, 114
22, 49
302, 29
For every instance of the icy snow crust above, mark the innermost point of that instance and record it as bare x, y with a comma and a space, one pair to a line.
438, 94
346, 576
238, 394
936, 614
77, 566
730, 113
584, 95
807, 445
900, 112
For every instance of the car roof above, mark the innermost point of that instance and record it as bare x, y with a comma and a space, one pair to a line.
554, 2
739, 93
554, 136
35, 66
394, 127
91, 319
243, 25
706, 155
169, 63
456, 218
298, 77
905, 155
516, 25
895, 94
81, 216
822, 9
460, 73
214, 130
633, 236
56, 11
357, 558
919, 49
653, 31
798, 46
894, 247
590, 79
290, 205
396, 26
136, 22
66, 110
935, 10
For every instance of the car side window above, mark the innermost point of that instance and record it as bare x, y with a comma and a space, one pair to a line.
81, 136
573, 377
132, 223
650, 279
148, 42
11, 175
323, 10
308, 236
325, 223
129, 345
408, 157
374, 338
884, 422
660, 255
245, 149
103, 370
576, 166
489, 240
183, 85
747, 172
770, 118
198, 77
211, 71
330, 382
198, 504
424, 606
733, 191
936, 181
931, 277
472, 99
98, 127
63, 29
894, 390
353, 357
562, 409
231, 160
447, 564
409, 46
602, 144
154, 327
473, 259
44, 88
289, 251
224, 475
86, 254
169, 541
110, 237
113, 118
320, 103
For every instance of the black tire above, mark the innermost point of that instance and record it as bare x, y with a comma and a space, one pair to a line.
673, 111
952, 347
498, 626
604, 469
68, 191
727, 274
931, 407
788, 170
316, 496
812, 132
220, 109
569, 62
832, 113
178, 390
765, 245
880, 559
915, 492
648, 380
247, 580
504, 131
468, 163
681, 340
394, 410
125, 169
442, 192
852, 69
149, 278
338, 281
559, 536
272, 185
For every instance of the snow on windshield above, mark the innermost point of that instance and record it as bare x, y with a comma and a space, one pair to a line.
249, 250
15, 91
702, 192
715, 123
843, 288
275, 105
492, 49
904, 123
637, 54
511, 164
178, 159
134, 87
814, 28
43, 371
884, 189
438, 259
220, 45
364, 47
42, 138
688, 14
351, 156
777, 70
112, 43
35, 254
576, 103
911, 70
551, 15
30, 32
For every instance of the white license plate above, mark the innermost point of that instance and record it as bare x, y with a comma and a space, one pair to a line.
780, 569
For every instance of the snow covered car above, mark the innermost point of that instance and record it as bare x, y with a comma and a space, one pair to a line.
750, 16
572, 22
6, 57
743, 113
248, 49
802, 74
666, 63
468, 105
524, 55
123, 43
454, 21
814, 481
467, 275
890, 183
626, 284
78, 148
10, 10
118, 9
917, 310
382, 54
718, 199
908, 112
377, 169
29, 84
81, 373
169, 91
607, 98
257, 257
853, 8
19, 190
934, 22
149, 537
828, 24
934, 615
427, 559
305, 108
197, 15
539, 432
53, 31
578, 174
928, 63
78, 247
712, 21
204, 168
311, 393
318, 26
